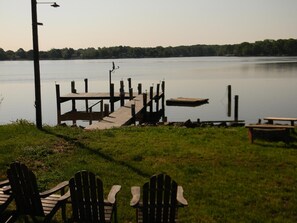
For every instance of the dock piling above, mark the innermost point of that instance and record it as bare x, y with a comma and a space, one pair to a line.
133, 114
58, 104
139, 88
122, 93
236, 99
86, 91
106, 110
229, 101
144, 105
130, 94
129, 83
158, 97
73, 90
111, 100
151, 99
163, 98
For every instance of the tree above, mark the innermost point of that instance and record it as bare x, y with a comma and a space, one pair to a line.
2, 54
21, 54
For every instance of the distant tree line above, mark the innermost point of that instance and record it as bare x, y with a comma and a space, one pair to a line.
281, 47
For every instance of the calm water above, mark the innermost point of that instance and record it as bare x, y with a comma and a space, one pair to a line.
266, 86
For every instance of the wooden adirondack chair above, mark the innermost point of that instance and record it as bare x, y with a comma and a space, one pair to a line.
161, 197
88, 204
5, 198
28, 200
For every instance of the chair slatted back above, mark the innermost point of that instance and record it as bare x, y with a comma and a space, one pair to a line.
159, 200
24, 189
87, 197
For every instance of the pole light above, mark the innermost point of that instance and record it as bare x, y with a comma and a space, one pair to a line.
36, 59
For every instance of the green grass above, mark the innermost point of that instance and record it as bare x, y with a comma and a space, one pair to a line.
225, 178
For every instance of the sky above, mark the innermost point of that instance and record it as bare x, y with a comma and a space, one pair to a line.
146, 23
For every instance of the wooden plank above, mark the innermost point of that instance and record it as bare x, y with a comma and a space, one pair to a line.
286, 119
280, 118
269, 126
121, 116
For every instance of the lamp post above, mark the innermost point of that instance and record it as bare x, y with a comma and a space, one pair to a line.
36, 60
110, 71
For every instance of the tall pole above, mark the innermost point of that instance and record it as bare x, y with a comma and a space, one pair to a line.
36, 65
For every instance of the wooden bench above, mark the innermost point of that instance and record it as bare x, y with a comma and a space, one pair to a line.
283, 119
253, 127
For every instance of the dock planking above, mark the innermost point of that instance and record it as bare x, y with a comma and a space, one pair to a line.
122, 116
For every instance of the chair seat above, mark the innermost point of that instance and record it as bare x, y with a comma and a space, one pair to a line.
49, 203
5, 199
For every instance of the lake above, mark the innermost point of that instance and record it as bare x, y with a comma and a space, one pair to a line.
266, 86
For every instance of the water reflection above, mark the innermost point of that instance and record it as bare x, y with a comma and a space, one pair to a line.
265, 85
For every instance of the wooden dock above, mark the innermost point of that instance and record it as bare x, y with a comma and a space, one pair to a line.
134, 106
124, 115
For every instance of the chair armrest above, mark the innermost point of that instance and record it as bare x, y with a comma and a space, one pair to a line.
59, 187
135, 191
65, 197
180, 196
4, 183
113, 193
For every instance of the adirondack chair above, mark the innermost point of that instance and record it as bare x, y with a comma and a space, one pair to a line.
88, 204
161, 198
29, 201
5, 198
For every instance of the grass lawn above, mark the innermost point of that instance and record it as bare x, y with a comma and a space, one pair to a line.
225, 178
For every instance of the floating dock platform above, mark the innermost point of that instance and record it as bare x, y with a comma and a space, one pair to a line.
190, 102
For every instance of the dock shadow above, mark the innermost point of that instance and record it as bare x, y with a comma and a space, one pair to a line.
99, 154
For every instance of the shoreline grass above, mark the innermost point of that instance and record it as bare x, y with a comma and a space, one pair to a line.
225, 178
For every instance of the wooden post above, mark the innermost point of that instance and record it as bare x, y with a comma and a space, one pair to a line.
157, 99
139, 88
133, 113
101, 109
129, 83
122, 97
73, 90
86, 91
151, 99
229, 101
106, 110
111, 100
131, 94
236, 98
144, 106
91, 114
122, 85
58, 104
122, 93
163, 98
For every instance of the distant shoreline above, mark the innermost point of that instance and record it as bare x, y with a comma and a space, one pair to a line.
281, 47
